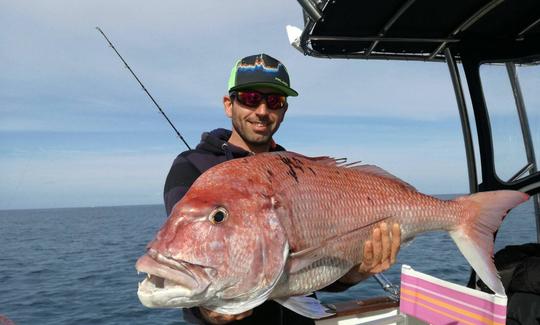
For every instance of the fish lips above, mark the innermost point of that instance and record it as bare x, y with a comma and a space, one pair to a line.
168, 283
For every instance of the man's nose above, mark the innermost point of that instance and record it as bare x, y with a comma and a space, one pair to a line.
262, 109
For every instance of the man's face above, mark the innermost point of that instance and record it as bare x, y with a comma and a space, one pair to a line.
254, 125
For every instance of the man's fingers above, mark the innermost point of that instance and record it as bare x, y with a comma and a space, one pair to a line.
368, 252
396, 242
377, 246
217, 318
380, 252
385, 243
367, 258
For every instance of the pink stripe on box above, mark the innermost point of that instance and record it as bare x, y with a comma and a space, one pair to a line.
430, 316
450, 304
419, 306
458, 296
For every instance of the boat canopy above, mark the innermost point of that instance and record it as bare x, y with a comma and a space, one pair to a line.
421, 29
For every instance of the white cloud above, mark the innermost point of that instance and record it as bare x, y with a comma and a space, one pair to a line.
183, 53
59, 75
65, 179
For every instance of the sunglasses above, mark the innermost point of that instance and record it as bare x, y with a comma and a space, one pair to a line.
253, 99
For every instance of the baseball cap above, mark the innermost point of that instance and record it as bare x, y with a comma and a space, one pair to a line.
260, 70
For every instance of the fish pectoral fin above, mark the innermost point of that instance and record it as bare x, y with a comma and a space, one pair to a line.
304, 258
305, 306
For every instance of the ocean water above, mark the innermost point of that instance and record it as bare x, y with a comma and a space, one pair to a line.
76, 265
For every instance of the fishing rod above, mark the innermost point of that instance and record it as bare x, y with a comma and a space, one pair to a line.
144, 88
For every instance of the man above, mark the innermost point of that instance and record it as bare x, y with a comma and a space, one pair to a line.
256, 104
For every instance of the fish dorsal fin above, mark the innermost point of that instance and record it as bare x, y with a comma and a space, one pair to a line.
327, 161
367, 169
378, 171
305, 257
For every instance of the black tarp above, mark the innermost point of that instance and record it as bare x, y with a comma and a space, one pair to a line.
494, 25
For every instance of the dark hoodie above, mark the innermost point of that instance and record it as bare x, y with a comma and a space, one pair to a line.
212, 150
189, 165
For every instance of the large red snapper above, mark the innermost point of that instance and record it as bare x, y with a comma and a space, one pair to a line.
281, 224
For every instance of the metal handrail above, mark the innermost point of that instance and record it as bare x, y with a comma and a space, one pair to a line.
468, 23
464, 117
389, 24
527, 138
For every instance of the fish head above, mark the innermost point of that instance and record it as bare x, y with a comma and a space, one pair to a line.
223, 245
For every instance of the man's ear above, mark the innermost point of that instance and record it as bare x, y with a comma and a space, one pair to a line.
227, 105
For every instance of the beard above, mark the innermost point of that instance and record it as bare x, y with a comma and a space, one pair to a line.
252, 138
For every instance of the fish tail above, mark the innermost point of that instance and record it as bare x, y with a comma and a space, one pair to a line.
484, 213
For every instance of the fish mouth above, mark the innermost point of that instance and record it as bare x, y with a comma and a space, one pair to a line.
169, 282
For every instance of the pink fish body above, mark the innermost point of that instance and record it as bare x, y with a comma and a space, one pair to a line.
277, 225
5, 321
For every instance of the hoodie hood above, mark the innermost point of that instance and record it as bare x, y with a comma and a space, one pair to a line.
216, 142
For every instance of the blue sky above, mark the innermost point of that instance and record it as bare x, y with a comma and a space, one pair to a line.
77, 130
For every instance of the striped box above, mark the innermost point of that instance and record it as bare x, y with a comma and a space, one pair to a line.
442, 302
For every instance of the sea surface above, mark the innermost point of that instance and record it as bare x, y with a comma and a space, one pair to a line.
76, 265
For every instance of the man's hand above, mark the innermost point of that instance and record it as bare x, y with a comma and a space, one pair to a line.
217, 318
379, 254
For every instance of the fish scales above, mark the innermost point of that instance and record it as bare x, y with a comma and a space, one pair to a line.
281, 224
344, 201
329, 201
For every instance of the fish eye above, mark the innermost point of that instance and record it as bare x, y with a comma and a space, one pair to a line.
218, 215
